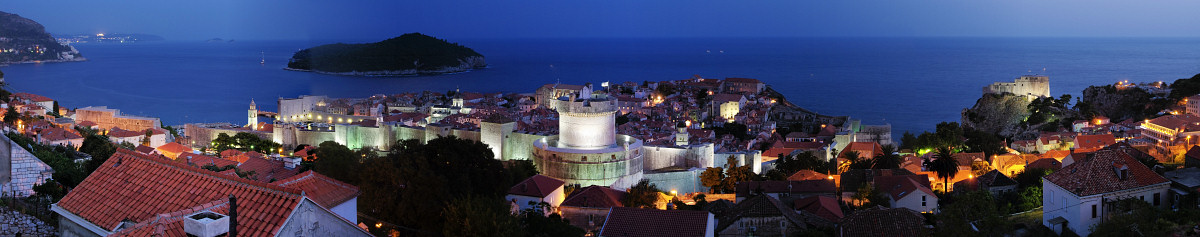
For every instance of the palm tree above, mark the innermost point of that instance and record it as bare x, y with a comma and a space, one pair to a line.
945, 166
886, 160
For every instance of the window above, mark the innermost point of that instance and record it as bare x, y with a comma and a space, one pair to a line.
585, 158
1156, 199
1093, 210
922, 200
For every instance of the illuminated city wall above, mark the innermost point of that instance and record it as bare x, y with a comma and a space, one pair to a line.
587, 126
683, 181
586, 167
658, 157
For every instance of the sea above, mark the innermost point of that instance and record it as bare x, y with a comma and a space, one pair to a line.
909, 83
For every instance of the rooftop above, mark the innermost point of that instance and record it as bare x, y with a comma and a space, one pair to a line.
628, 221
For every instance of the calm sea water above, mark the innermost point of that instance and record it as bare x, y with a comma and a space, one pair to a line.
911, 83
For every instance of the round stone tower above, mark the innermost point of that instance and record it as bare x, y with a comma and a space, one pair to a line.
587, 150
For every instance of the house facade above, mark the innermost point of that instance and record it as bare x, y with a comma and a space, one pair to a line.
1080, 195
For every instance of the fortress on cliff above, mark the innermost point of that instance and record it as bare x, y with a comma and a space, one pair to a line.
1028, 85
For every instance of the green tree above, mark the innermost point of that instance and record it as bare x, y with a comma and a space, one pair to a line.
641, 195
1030, 198
99, 148
908, 140
11, 116
1031, 177
479, 216
945, 166
886, 160
975, 208
337, 161
536, 224
1134, 217
867, 196
714, 179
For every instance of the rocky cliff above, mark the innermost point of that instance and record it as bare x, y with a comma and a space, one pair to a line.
1001, 114
24, 40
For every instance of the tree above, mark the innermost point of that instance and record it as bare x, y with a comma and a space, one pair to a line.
975, 209
536, 224
1031, 177
99, 148
945, 167
714, 179
1030, 198
479, 216
11, 116
146, 138
1134, 217
908, 140
337, 161
408, 187
642, 195
867, 196
886, 160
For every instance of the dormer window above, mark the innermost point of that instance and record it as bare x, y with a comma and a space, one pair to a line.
1122, 172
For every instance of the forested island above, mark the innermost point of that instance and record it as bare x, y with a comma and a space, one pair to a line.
408, 55
23, 40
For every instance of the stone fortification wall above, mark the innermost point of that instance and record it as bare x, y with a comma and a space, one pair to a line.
356, 137
401, 133
752, 158
658, 157
519, 146
683, 181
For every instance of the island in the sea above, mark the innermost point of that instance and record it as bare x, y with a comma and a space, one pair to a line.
107, 38
408, 55
23, 41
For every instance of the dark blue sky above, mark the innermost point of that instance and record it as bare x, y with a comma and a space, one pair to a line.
357, 19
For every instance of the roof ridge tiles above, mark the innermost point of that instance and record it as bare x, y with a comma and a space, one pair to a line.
209, 173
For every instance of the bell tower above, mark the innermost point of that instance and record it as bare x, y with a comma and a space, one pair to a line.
252, 116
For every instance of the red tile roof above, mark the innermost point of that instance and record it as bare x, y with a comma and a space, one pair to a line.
823, 206
118, 132
595, 196
877, 221
536, 186
742, 80
808, 186
267, 170
1094, 141
1096, 173
1184, 122
230, 152
1045, 163
173, 149
144, 149
171, 224
58, 134
139, 187
31, 97
807, 175
202, 160
864, 149
628, 221
322, 189
902, 185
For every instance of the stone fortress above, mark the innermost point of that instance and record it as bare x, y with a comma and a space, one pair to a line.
586, 125
1027, 85
587, 128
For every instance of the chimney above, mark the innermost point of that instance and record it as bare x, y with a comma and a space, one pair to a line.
291, 162
206, 224
232, 216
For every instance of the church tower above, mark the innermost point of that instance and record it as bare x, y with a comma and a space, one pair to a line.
252, 116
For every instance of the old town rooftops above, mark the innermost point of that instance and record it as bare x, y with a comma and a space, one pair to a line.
136, 187
1104, 171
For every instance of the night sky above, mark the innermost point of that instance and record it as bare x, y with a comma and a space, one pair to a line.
355, 19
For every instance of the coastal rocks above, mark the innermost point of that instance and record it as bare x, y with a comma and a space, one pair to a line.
1001, 114
1119, 104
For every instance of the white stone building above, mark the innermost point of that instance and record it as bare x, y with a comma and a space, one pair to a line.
1082, 194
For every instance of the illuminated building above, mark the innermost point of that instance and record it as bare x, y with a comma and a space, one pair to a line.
587, 150
1028, 85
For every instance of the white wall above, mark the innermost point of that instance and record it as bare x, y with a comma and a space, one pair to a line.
913, 202
348, 210
1078, 210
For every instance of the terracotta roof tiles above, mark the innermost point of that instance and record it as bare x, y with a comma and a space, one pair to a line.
536, 186
879, 221
627, 221
139, 187
1096, 173
595, 196
321, 189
